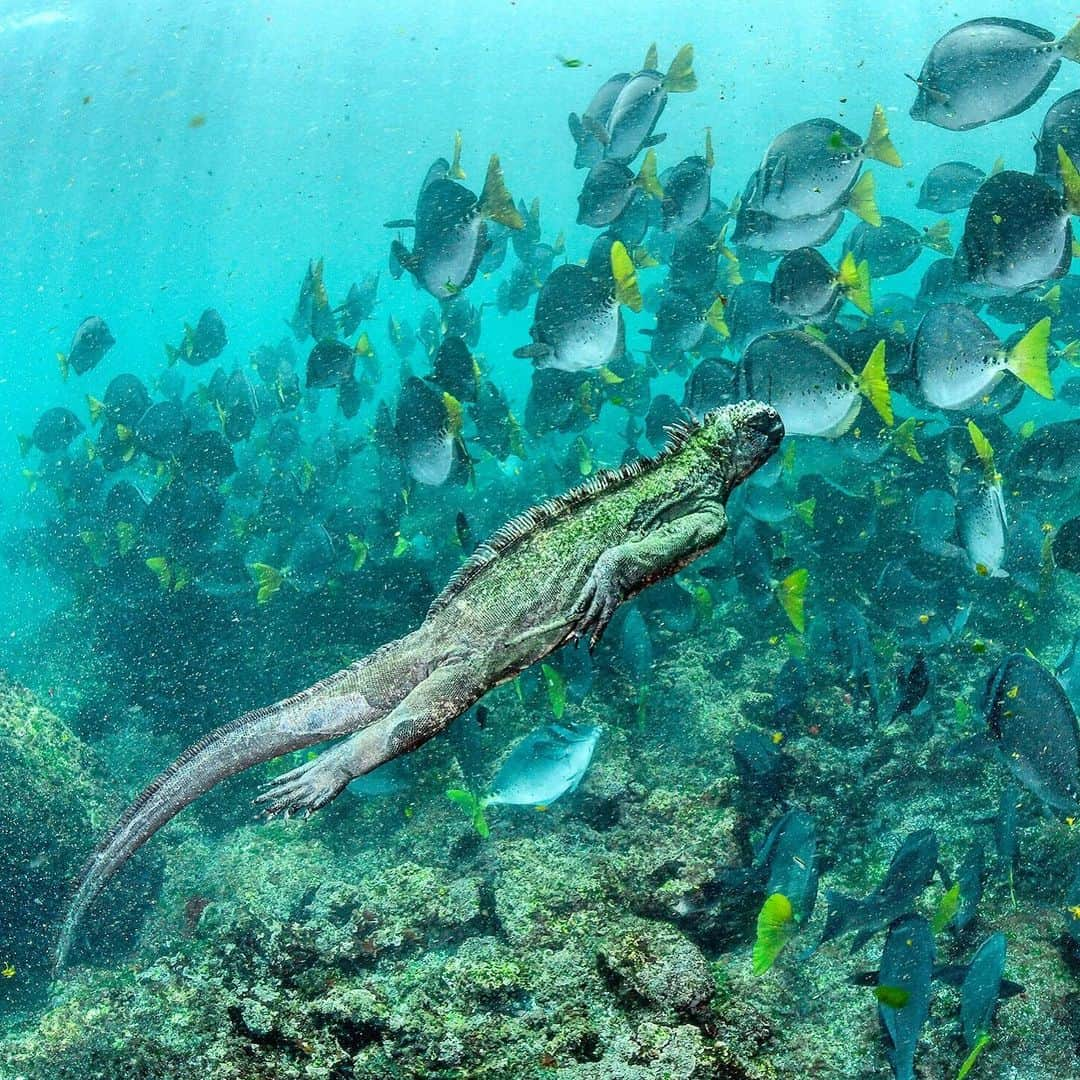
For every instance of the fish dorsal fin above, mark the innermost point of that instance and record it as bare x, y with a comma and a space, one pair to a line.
545, 513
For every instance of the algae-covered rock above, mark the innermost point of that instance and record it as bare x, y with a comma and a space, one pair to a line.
50, 811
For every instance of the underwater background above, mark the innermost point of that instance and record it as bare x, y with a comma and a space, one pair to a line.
162, 160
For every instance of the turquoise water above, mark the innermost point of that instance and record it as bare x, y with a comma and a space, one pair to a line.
162, 160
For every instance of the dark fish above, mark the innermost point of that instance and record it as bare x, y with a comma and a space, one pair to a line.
695, 258
123, 502
1049, 455
809, 169
329, 364
981, 989
463, 320
681, 322
53, 431
1060, 127
970, 877
1066, 546
951, 186
184, 512
426, 429
750, 313
687, 189
759, 231
913, 684
762, 767
454, 369
988, 69
639, 103
313, 316
162, 430
789, 851
959, 359
497, 429
909, 873
588, 129
609, 187
359, 304
91, 342
126, 399
526, 238
451, 236
711, 384
813, 388
789, 691
1031, 721
205, 342
907, 968
894, 245
401, 337
578, 321
1018, 231
237, 407
664, 412
805, 286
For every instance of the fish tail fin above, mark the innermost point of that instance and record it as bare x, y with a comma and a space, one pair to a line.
936, 238
496, 202
172, 354
715, 317
456, 171
65, 366
268, 579
904, 439
855, 281
862, 202
647, 180
577, 129
983, 450
622, 269
25, 445
874, 383
998, 166
710, 157
680, 77
791, 592
1070, 180
95, 407
1070, 44
651, 59
775, 926
1052, 299
1027, 359
878, 144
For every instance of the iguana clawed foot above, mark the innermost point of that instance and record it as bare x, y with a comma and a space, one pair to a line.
309, 787
596, 605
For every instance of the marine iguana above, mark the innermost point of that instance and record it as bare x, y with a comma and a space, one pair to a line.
554, 574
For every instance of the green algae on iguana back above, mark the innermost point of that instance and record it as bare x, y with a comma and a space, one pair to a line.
553, 575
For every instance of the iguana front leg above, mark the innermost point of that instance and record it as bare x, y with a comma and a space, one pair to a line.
623, 571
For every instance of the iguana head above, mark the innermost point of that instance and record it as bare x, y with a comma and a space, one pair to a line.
741, 438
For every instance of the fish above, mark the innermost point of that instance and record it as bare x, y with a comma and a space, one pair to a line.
208, 457
358, 305
639, 104
53, 431
91, 341
907, 967
750, 313
545, 765
989, 69
764, 770
806, 287
810, 168
913, 684
981, 991
1066, 545
329, 364
162, 431
237, 406
810, 386
454, 370
205, 342
909, 873
756, 230
609, 187
959, 359
894, 245
1031, 722
951, 186
124, 401
313, 316
981, 521
588, 129
451, 237
1060, 127
687, 189
577, 323
428, 428
681, 323
1018, 231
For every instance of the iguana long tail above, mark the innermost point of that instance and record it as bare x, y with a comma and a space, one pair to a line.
338, 705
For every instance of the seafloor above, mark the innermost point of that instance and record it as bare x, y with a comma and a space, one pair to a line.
385, 938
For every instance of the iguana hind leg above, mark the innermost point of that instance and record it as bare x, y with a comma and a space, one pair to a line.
343, 703
430, 708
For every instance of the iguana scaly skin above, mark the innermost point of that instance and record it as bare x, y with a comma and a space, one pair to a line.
552, 575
